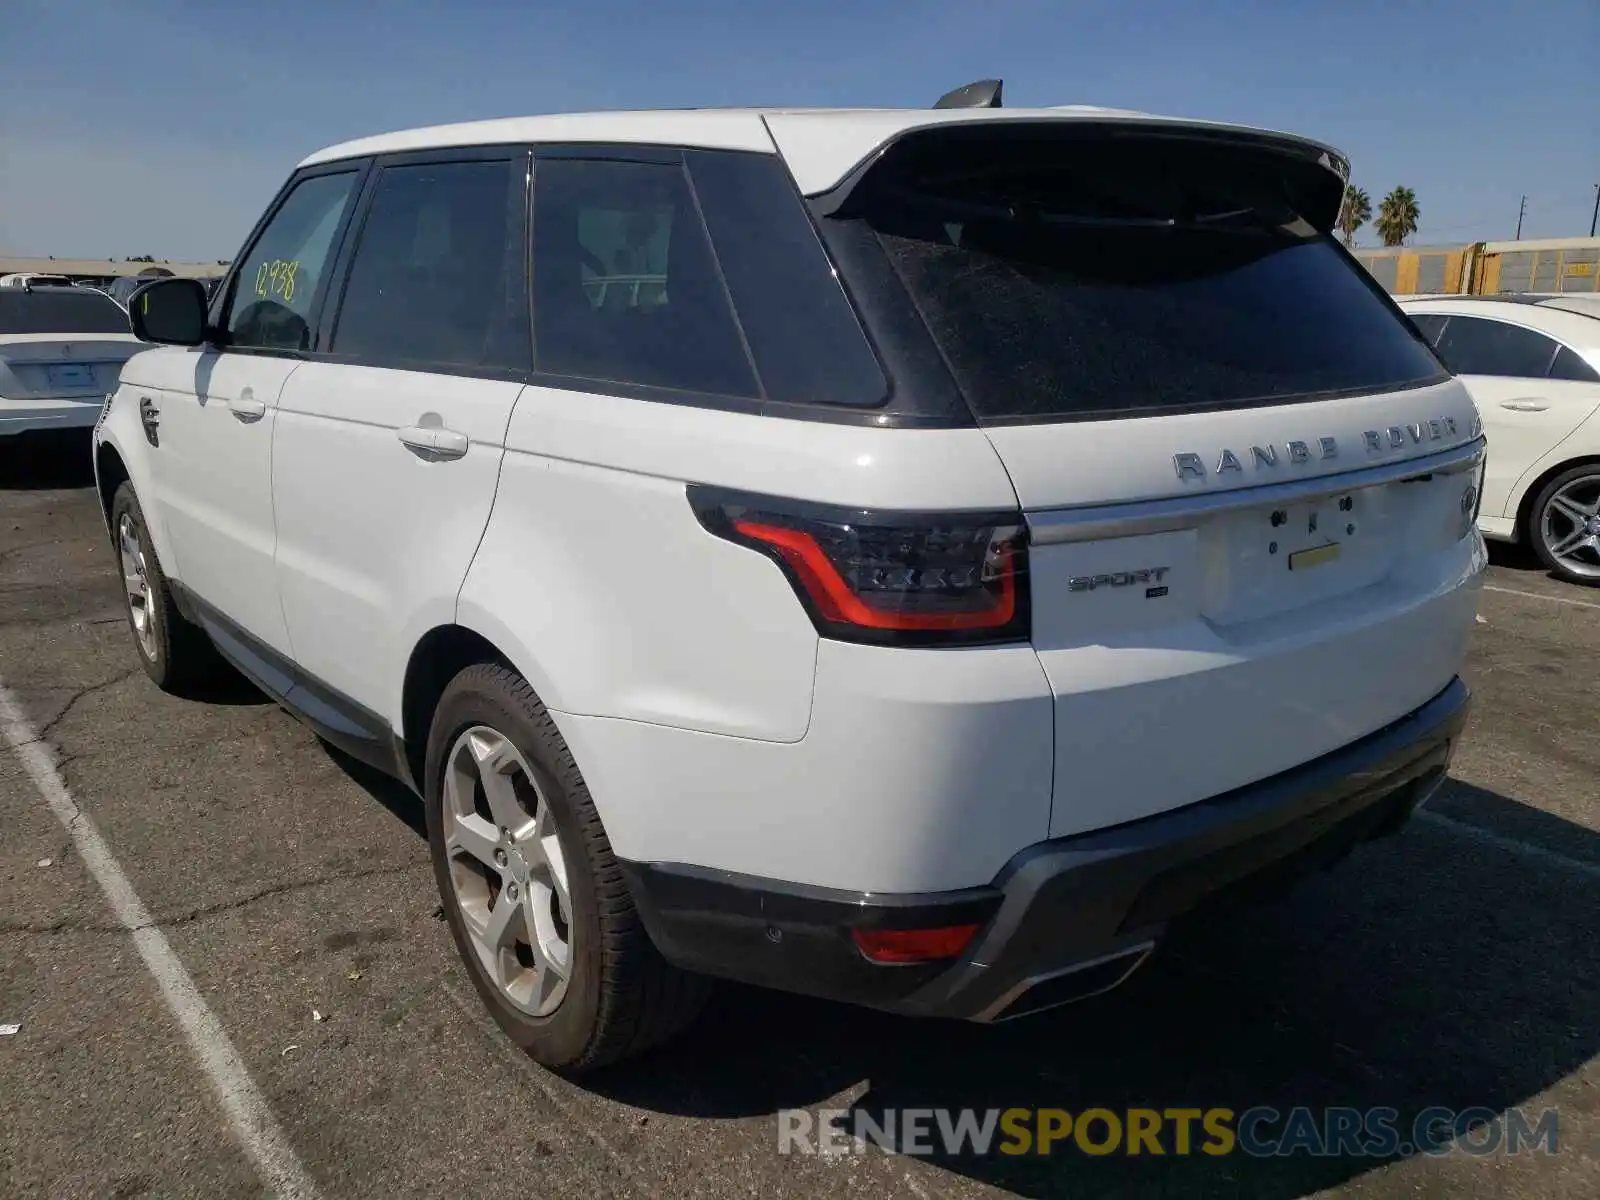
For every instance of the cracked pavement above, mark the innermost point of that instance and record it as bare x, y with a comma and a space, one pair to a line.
1432, 969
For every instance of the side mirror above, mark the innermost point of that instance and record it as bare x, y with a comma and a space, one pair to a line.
170, 312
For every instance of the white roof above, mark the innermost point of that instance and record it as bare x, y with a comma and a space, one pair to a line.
821, 146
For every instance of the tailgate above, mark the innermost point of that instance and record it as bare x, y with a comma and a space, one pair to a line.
63, 366
1249, 483
1214, 636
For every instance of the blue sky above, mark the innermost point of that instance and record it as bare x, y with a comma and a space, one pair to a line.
163, 126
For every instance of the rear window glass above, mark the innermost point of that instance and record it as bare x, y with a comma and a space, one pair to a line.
1112, 283
76, 311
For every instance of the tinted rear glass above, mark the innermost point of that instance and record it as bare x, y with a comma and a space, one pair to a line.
59, 311
625, 288
807, 344
433, 279
1115, 280
1479, 346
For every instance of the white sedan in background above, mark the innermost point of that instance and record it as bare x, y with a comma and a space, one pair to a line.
61, 352
1532, 364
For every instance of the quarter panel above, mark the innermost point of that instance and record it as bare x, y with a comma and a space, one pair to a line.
923, 770
606, 579
595, 565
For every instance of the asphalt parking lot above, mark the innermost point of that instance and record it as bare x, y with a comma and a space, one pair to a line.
1456, 965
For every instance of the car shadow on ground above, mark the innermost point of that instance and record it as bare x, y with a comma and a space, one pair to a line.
1516, 556
1428, 969
396, 798
47, 461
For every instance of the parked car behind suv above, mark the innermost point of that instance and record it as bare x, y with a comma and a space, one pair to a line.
909, 557
61, 350
1532, 364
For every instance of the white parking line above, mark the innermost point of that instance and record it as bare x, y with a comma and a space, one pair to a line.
1489, 587
246, 1108
1539, 854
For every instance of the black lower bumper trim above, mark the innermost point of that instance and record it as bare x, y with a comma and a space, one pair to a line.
1065, 915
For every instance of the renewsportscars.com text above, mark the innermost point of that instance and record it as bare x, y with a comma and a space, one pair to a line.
1259, 1132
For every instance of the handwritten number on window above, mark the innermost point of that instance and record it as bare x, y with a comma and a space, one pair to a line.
277, 278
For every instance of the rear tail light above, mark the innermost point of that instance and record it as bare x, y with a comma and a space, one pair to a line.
903, 946
887, 578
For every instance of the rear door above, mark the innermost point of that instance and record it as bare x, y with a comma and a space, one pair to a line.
1249, 483
388, 442
1531, 390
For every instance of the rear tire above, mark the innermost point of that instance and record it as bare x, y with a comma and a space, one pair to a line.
1563, 525
173, 652
533, 895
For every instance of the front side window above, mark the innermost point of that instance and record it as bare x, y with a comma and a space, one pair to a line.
1480, 346
433, 279
625, 288
276, 285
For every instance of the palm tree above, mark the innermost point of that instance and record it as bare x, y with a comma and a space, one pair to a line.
1355, 212
1398, 216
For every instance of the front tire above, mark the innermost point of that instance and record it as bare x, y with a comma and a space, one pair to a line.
174, 653
533, 896
1564, 525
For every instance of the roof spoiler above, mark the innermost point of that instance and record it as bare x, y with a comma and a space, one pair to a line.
983, 94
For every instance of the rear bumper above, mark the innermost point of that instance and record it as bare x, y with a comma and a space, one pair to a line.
1064, 918
42, 413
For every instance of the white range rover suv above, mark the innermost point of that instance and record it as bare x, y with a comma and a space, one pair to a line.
909, 557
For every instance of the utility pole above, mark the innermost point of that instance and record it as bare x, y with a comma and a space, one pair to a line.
1595, 216
1521, 212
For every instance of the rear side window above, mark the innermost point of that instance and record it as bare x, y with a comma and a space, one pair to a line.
1429, 325
625, 288
59, 312
276, 284
807, 343
1114, 278
1570, 365
701, 273
434, 278
1480, 346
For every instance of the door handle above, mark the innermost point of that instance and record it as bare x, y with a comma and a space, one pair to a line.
246, 407
433, 442
1525, 405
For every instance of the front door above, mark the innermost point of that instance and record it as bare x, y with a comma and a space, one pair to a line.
217, 415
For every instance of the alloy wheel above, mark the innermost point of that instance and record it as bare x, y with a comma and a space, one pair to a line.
1570, 526
507, 870
136, 583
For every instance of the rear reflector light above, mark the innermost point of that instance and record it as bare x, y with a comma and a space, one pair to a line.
912, 945
888, 578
